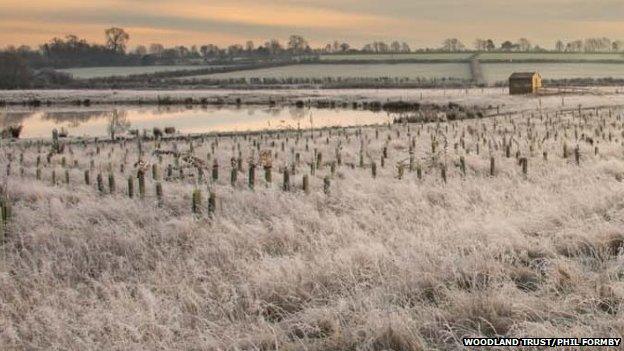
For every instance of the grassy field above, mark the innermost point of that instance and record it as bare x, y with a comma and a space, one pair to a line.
499, 72
547, 56
101, 72
386, 248
485, 56
410, 70
390, 57
493, 72
415, 70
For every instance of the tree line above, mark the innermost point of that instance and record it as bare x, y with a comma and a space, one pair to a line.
25, 67
72, 51
589, 45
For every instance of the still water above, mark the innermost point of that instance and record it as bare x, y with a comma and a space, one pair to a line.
94, 121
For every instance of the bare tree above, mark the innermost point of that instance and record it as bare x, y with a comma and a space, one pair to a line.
335, 46
14, 72
559, 46
140, 50
156, 49
380, 47
597, 44
195, 52
574, 46
480, 44
453, 45
117, 123
235, 49
395, 46
273, 46
524, 44
249, 46
117, 39
297, 44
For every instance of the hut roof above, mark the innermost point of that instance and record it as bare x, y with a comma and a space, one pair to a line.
523, 75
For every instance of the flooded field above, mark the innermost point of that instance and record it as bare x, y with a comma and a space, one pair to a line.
38, 123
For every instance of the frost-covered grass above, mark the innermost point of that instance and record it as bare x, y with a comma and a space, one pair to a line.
399, 70
500, 72
493, 72
101, 72
551, 56
377, 264
484, 56
416, 56
587, 97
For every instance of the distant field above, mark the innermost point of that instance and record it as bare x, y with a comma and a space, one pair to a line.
495, 72
492, 56
439, 56
100, 72
545, 56
411, 70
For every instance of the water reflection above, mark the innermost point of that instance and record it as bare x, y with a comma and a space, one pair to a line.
14, 118
96, 121
74, 118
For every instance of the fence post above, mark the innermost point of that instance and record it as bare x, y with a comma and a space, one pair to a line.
286, 180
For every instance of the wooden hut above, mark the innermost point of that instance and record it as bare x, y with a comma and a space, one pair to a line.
524, 83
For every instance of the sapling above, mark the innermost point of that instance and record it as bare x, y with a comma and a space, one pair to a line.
196, 201
462, 165
130, 187
233, 176
100, 183
111, 183
141, 176
252, 176
326, 185
215, 171
306, 184
525, 165
286, 179
212, 203
401, 171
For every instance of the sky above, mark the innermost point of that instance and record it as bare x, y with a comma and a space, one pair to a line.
420, 23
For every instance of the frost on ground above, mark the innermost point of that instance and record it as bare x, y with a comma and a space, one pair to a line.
484, 97
376, 264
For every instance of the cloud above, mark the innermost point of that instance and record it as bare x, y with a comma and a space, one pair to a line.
419, 22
